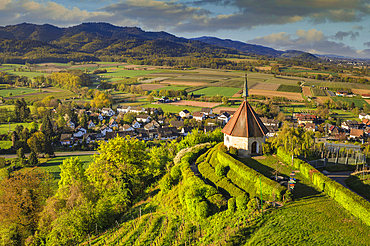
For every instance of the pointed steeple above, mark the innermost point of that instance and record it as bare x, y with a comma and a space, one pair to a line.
245, 88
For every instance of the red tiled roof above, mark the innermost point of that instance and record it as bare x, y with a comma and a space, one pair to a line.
245, 123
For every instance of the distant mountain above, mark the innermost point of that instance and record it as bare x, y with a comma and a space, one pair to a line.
244, 47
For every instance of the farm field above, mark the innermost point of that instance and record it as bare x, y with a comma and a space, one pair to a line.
270, 94
166, 107
151, 87
318, 92
360, 91
306, 91
344, 115
113, 76
290, 70
213, 91
171, 87
186, 83
52, 166
359, 102
265, 86
290, 88
195, 104
217, 110
5, 144
16, 91
4, 128
321, 100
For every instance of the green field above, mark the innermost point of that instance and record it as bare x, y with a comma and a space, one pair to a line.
52, 166
172, 108
359, 102
16, 91
171, 87
5, 144
292, 70
4, 127
290, 88
30, 75
318, 92
214, 91
116, 75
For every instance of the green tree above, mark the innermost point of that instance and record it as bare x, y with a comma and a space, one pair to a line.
32, 159
150, 98
225, 100
37, 142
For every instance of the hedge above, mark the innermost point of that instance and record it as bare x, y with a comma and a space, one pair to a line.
268, 186
223, 184
349, 200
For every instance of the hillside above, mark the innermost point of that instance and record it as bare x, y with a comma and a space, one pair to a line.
221, 205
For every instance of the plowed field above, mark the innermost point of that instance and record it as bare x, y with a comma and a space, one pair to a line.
270, 94
306, 91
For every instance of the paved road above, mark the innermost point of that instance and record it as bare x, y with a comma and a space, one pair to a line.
59, 154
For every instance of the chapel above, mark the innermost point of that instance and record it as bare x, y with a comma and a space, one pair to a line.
245, 130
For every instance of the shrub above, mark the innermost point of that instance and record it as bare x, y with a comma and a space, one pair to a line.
242, 202
231, 205
217, 202
176, 172
252, 204
165, 184
202, 210
233, 151
220, 169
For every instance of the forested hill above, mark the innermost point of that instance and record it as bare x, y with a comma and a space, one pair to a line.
244, 47
94, 41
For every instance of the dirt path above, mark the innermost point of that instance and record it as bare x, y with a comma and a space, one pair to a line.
306, 91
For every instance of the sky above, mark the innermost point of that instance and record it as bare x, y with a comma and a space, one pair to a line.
338, 27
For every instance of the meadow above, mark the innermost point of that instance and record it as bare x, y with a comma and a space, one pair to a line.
290, 88
359, 102
4, 127
318, 92
5, 144
214, 91
52, 166
16, 91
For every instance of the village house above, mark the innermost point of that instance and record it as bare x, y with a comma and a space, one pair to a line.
210, 128
149, 126
137, 110
186, 130
126, 127
272, 131
199, 116
161, 119
90, 124
310, 127
224, 117
113, 123
206, 111
108, 112
143, 118
366, 122
90, 137
356, 134
123, 109
349, 124
341, 93
177, 123
184, 113
104, 129
230, 112
79, 132
270, 122
66, 139
305, 118
333, 130
122, 134
136, 124
364, 116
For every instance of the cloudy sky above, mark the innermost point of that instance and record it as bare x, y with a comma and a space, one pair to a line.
318, 26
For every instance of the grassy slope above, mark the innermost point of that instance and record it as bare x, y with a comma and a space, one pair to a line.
312, 219
52, 166
16, 91
4, 127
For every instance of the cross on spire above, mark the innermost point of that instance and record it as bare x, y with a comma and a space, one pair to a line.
245, 89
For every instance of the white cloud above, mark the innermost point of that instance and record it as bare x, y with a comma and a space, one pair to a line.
312, 41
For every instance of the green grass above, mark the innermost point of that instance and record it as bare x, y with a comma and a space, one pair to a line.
214, 91
171, 87
360, 184
52, 166
359, 102
292, 70
318, 92
64, 94
5, 144
172, 108
16, 91
290, 88
4, 127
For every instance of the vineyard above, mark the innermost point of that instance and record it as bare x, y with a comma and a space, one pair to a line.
317, 92
212, 199
290, 88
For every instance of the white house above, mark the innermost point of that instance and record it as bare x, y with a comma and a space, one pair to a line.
364, 116
91, 124
113, 123
199, 116
123, 109
108, 112
136, 124
184, 114
206, 111
137, 110
79, 132
143, 118
126, 127
71, 124
66, 139
100, 117
224, 117
104, 129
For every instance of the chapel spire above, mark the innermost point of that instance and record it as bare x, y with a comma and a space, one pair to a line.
245, 88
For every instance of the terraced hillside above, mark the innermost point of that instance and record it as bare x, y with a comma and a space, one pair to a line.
212, 199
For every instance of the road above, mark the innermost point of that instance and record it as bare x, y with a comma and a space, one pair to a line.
58, 154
